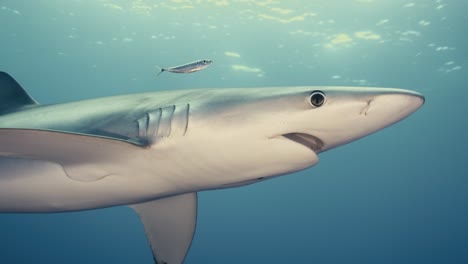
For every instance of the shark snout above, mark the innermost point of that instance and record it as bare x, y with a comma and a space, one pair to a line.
364, 112
393, 105
385, 107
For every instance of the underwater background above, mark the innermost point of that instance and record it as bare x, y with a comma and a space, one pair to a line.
398, 196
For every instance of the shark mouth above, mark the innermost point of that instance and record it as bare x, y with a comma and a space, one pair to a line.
312, 142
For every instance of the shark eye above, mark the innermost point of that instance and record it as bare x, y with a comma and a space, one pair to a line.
317, 98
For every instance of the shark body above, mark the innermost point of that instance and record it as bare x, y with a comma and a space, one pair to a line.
155, 151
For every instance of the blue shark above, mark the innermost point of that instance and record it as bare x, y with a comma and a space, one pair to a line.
155, 151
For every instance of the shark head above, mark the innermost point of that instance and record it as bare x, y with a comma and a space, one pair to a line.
337, 116
264, 132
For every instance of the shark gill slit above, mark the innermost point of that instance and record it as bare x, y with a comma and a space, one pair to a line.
187, 112
179, 120
147, 123
154, 120
164, 122
165, 125
142, 128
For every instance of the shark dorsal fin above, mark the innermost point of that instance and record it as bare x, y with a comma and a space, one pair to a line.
12, 95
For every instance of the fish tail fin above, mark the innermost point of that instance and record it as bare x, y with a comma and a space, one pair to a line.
161, 70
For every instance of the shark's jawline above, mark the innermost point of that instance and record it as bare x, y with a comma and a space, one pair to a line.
312, 142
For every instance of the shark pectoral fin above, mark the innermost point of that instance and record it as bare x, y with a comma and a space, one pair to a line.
169, 225
83, 157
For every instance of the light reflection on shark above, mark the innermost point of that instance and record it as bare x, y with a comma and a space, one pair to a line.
155, 151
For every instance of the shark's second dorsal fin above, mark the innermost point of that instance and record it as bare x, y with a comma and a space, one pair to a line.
12, 95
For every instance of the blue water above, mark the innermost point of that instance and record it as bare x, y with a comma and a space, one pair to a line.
398, 196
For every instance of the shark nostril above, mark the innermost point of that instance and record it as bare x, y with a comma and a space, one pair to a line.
366, 108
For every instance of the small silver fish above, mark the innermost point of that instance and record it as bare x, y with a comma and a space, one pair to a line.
188, 67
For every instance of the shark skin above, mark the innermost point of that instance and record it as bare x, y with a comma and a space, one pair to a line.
155, 151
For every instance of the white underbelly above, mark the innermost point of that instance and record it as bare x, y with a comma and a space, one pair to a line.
28, 185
